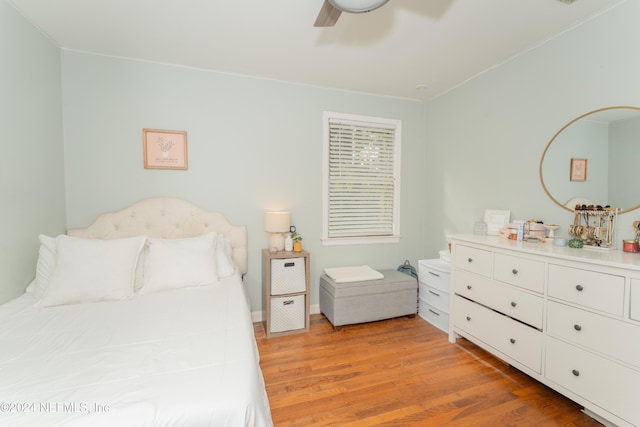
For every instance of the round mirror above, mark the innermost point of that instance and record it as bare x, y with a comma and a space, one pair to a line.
593, 159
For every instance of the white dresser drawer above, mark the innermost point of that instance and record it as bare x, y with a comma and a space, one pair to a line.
474, 260
595, 378
506, 299
609, 336
435, 273
525, 273
634, 312
600, 291
433, 315
434, 297
515, 340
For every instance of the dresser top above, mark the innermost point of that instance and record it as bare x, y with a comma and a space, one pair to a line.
605, 257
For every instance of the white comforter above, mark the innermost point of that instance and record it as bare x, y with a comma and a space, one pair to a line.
178, 358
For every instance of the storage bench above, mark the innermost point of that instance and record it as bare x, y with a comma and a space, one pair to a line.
367, 301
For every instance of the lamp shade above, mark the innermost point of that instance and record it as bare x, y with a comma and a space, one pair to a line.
357, 6
277, 222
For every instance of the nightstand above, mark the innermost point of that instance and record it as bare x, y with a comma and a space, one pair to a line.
285, 292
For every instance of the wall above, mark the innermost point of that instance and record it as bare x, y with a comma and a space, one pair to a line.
253, 145
486, 137
31, 164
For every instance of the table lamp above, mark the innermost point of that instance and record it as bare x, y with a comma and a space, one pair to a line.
277, 223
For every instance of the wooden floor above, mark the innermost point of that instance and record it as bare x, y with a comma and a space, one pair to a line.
400, 372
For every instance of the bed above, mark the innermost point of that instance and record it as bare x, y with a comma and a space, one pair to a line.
171, 347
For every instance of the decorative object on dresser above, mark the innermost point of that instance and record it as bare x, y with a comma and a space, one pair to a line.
433, 292
277, 223
346, 302
571, 320
285, 292
593, 226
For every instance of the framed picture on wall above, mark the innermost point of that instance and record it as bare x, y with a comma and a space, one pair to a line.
578, 171
164, 149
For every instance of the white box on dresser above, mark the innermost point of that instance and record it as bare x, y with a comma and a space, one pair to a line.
434, 291
569, 318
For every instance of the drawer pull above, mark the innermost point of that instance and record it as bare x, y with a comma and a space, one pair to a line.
289, 264
468, 319
512, 340
575, 372
513, 303
434, 274
434, 312
434, 293
514, 271
580, 288
469, 287
577, 327
470, 259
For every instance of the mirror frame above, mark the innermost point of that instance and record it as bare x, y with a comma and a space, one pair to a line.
544, 153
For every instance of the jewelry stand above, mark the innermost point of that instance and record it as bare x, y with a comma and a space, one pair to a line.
596, 227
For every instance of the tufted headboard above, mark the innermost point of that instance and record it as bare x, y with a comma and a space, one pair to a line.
168, 218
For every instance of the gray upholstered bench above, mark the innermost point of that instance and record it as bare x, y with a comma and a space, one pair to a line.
367, 301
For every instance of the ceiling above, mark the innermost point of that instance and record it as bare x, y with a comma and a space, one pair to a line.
408, 48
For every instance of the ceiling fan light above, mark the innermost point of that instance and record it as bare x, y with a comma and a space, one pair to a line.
357, 6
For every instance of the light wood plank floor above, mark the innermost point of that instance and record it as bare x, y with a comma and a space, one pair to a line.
400, 372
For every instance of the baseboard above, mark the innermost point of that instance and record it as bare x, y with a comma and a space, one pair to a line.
258, 316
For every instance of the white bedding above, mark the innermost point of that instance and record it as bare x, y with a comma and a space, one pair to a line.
184, 357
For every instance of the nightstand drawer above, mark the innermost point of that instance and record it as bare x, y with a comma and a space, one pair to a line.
287, 313
287, 276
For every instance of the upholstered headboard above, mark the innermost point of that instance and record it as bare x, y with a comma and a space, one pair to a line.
168, 218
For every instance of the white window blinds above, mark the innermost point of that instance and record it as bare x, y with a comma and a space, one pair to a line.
362, 176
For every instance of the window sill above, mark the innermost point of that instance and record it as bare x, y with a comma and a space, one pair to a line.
334, 241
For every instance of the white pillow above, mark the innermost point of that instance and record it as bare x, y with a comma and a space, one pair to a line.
44, 267
178, 263
225, 264
89, 270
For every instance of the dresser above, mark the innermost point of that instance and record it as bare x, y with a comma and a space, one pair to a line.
569, 318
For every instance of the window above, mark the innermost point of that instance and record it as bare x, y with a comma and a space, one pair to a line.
361, 182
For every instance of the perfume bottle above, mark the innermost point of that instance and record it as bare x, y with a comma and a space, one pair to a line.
288, 242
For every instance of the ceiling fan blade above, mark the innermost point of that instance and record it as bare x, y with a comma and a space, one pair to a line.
328, 15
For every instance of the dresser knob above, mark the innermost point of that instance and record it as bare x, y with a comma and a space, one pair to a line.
577, 327
470, 259
575, 372
513, 303
512, 340
469, 287
580, 288
468, 319
514, 271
